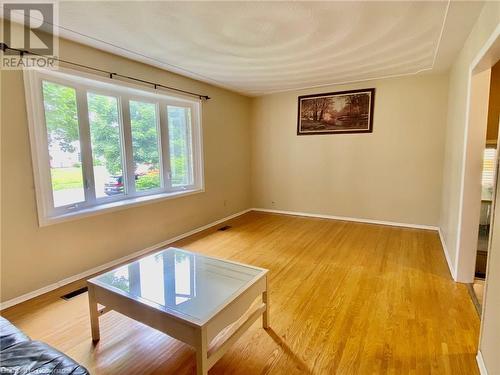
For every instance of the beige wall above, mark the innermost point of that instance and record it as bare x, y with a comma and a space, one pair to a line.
476, 139
455, 129
34, 257
393, 174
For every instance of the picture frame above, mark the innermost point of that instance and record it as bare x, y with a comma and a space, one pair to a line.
340, 112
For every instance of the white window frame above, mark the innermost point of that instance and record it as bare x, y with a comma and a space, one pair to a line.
124, 92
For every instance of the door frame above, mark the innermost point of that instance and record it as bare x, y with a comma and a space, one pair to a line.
464, 265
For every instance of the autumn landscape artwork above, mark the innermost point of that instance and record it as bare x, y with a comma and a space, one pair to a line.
337, 112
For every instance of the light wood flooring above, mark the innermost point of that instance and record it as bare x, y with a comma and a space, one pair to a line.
346, 298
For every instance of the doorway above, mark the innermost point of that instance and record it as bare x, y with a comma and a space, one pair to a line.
489, 179
480, 169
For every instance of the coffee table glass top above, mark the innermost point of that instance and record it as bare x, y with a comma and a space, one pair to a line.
187, 284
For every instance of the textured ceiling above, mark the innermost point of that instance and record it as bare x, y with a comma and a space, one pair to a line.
262, 47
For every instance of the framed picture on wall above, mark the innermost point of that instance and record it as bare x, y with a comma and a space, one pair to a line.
336, 112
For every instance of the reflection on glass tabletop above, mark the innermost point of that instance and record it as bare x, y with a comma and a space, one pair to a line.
182, 282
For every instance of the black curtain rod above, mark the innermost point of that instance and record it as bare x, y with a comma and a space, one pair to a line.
4, 47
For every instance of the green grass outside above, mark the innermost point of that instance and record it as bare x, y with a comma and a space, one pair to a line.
148, 181
66, 178
71, 178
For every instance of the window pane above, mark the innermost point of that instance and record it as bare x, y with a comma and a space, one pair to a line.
488, 180
106, 145
64, 143
179, 133
145, 142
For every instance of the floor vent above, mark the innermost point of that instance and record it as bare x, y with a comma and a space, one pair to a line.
74, 293
225, 227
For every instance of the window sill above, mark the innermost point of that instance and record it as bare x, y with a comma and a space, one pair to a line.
116, 206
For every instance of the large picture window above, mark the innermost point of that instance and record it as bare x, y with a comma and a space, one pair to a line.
98, 144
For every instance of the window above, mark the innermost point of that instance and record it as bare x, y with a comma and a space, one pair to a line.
179, 145
105, 138
488, 177
100, 144
145, 145
63, 138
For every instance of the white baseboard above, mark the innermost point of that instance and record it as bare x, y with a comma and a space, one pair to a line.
480, 364
447, 256
149, 249
113, 263
370, 221
345, 218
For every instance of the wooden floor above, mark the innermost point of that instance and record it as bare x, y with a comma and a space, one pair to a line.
346, 298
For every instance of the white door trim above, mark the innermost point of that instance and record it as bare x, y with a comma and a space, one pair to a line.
460, 276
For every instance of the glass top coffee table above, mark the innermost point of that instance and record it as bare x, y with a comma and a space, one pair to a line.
189, 296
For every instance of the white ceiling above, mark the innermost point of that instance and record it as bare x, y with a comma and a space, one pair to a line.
262, 47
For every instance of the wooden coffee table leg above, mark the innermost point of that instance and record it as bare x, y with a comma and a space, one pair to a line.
265, 300
202, 353
94, 315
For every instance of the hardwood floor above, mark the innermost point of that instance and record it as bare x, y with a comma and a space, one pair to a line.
346, 298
